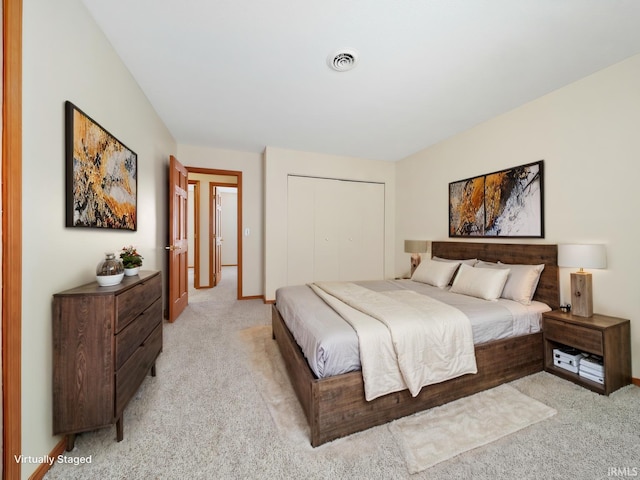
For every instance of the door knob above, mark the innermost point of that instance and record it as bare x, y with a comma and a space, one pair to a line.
171, 247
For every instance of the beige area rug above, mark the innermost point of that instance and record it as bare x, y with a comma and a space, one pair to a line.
274, 385
443, 432
426, 438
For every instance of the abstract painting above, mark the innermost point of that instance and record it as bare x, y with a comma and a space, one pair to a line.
508, 203
101, 176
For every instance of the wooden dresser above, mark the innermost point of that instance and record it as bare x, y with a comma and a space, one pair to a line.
105, 342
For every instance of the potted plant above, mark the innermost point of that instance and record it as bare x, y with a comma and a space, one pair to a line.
131, 260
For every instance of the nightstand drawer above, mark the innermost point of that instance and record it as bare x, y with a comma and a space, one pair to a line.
578, 337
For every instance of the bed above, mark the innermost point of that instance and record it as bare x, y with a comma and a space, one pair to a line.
335, 406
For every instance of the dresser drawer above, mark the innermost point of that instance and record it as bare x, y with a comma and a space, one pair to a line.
133, 302
134, 334
135, 369
582, 338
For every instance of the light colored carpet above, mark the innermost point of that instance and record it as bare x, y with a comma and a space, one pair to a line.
443, 432
274, 386
202, 417
425, 438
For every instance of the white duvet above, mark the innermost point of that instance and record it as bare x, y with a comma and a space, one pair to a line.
406, 340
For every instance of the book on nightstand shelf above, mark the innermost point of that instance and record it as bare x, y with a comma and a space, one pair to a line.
565, 365
595, 377
591, 371
593, 362
567, 358
592, 368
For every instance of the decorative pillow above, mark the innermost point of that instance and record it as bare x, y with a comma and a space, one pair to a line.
522, 281
469, 261
434, 273
486, 283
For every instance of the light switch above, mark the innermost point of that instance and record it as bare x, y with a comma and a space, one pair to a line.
246, 232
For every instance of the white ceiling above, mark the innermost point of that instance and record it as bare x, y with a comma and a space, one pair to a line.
242, 75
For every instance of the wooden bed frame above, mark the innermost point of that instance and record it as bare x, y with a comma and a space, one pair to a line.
336, 406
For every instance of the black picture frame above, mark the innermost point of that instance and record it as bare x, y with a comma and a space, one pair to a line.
508, 203
101, 175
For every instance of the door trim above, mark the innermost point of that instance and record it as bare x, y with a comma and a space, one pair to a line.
212, 219
196, 231
238, 185
11, 237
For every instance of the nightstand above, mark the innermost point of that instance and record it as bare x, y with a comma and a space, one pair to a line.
601, 335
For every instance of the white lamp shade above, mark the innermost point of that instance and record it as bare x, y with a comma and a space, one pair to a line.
416, 246
582, 255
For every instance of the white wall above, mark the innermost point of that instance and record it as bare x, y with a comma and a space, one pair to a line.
279, 163
191, 233
229, 226
587, 135
250, 164
66, 57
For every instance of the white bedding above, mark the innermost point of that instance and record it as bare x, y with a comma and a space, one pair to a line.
406, 340
330, 344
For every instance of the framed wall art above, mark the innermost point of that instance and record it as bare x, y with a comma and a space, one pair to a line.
508, 203
101, 175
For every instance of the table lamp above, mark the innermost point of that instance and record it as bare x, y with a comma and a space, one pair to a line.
582, 256
415, 248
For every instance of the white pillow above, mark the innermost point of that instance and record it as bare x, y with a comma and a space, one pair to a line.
521, 282
482, 263
486, 283
434, 273
469, 261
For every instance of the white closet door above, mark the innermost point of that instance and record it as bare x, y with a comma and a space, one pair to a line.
328, 227
335, 230
362, 253
300, 229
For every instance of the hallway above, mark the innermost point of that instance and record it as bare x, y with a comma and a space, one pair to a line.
226, 290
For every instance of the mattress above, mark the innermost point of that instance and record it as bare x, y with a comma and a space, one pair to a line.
330, 344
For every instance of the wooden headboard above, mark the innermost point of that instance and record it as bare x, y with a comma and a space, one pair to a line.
548, 290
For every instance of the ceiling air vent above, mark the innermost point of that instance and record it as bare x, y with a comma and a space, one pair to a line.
343, 60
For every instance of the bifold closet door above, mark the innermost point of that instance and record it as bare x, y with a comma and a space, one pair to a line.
335, 230
300, 229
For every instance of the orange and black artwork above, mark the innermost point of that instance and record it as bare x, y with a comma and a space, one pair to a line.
101, 176
507, 203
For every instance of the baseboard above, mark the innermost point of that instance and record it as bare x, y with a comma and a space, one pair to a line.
635, 381
269, 302
45, 467
252, 297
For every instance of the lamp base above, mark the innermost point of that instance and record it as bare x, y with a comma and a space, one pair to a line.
581, 294
415, 261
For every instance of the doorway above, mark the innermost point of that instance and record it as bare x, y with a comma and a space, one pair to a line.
203, 217
229, 225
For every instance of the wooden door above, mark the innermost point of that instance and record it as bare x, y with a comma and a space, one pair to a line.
178, 284
217, 237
